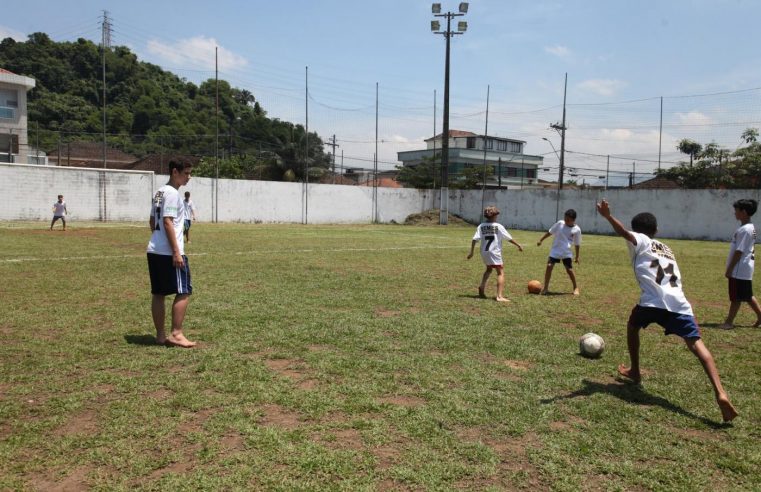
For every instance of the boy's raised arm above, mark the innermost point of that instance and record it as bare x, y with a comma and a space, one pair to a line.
603, 208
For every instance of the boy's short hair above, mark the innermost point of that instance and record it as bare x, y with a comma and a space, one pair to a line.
60, 196
645, 223
179, 165
747, 204
491, 211
187, 194
570, 213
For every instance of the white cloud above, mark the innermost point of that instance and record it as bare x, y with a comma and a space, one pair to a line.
617, 134
694, 118
7, 32
198, 50
602, 87
558, 50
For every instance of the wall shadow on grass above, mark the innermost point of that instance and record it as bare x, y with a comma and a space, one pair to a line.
632, 393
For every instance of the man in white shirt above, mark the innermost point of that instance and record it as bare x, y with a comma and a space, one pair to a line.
566, 233
167, 264
59, 212
661, 301
741, 263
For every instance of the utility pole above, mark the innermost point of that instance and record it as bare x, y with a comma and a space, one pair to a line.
334, 145
105, 44
561, 128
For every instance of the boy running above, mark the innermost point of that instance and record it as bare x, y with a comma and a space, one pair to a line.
491, 233
661, 301
741, 263
566, 233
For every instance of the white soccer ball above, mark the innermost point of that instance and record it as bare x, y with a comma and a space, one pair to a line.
591, 345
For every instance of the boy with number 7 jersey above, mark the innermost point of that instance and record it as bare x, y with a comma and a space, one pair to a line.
661, 301
491, 233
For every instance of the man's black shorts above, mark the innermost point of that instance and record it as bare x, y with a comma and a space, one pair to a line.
740, 290
567, 262
166, 279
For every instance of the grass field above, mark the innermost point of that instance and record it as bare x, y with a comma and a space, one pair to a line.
357, 358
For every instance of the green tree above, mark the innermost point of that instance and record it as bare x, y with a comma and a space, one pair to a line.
421, 176
689, 147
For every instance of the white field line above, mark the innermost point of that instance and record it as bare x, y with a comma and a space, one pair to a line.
236, 253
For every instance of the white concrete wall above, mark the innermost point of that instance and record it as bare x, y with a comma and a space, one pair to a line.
28, 193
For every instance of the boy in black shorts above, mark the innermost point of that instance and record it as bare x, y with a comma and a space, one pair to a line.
741, 263
167, 263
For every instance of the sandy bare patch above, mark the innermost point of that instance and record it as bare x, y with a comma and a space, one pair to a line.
160, 394
85, 422
290, 368
403, 401
74, 481
232, 442
518, 365
307, 384
319, 348
341, 439
386, 313
277, 416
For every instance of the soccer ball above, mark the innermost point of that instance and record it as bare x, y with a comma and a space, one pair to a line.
534, 287
591, 345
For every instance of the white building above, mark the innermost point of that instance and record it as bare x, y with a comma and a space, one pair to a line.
14, 141
512, 168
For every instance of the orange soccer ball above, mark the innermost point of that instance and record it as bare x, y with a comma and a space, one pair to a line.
534, 287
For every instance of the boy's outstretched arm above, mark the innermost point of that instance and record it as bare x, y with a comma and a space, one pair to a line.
546, 235
603, 208
472, 247
520, 248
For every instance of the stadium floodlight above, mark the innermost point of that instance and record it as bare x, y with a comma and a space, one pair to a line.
462, 26
436, 8
463, 7
435, 26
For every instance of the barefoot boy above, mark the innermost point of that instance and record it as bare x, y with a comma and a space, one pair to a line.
59, 212
741, 262
661, 301
566, 233
491, 233
190, 215
167, 263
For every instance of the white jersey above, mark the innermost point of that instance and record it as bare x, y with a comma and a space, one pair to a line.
491, 235
565, 236
744, 239
167, 202
190, 209
59, 209
658, 275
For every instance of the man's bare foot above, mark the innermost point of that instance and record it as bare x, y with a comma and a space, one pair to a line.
179, 341
728, 412
576, 291
481, 293
629, 374
757, 324
726, 326
544, 292
502, 299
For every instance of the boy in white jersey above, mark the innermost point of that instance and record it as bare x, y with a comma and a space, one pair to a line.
741, 263
491, 233
167, 264
661, 301
190, 215
566, 233
59, 212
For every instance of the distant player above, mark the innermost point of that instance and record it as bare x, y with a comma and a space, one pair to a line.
190, 215
662, 300
491, 234
167, 264
59, 212
741, 263
566, 233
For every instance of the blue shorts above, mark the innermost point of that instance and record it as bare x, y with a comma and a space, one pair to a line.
166, 279
683, 325
187, 225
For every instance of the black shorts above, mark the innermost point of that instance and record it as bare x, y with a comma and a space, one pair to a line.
567, 262
56, 217
166, 279
740, 290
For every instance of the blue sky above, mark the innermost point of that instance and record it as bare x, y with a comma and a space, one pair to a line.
621, 57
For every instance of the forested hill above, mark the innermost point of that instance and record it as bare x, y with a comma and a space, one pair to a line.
147, 108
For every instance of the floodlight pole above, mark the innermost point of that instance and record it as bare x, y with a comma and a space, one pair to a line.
444, 209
